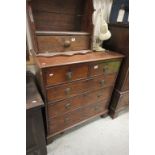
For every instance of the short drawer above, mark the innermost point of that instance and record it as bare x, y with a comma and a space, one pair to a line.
75, 88
61, 107
63, 43
62, 74
65, 121
105, 67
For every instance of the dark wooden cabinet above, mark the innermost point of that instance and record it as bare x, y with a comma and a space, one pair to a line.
35, 135
119, 42
76, 83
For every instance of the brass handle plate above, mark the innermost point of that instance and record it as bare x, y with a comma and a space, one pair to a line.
67, 106
105, 69
69, 75
68, 90
102, 83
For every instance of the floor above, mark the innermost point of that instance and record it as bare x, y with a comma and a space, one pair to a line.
103, 136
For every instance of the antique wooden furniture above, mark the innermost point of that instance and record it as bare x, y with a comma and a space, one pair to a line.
60, 27
76, 88
119, 42
76, 83
35, 136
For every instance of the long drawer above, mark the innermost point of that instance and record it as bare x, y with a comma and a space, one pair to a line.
63, 43
67, 120
61, 107
75, 88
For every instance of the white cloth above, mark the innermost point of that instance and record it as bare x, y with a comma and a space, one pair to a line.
100, 16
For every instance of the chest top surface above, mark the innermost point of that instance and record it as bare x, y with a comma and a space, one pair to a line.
44, 62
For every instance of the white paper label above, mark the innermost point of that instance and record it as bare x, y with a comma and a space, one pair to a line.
73, 39
51, 74
96, 67
30, 15
120, 15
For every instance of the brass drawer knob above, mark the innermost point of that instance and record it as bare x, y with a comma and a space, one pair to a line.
67, 106
67, 43
69, 75
67, 90
102, 83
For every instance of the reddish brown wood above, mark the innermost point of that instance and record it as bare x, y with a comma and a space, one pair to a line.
43, 62
52, 137
98, 68
59, 123
72, 89
80, 90
61, 107
57, 75
61, 33
87, 24
58, 15
62, 43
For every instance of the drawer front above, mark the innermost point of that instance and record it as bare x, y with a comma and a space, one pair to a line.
62, 43
75, 88
61, 107
95, 108
105, 67
57, 75
60, 123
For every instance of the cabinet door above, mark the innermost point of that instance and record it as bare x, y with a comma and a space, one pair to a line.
35, 137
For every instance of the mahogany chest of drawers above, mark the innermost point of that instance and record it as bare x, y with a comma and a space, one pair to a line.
76, 83
76, 88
